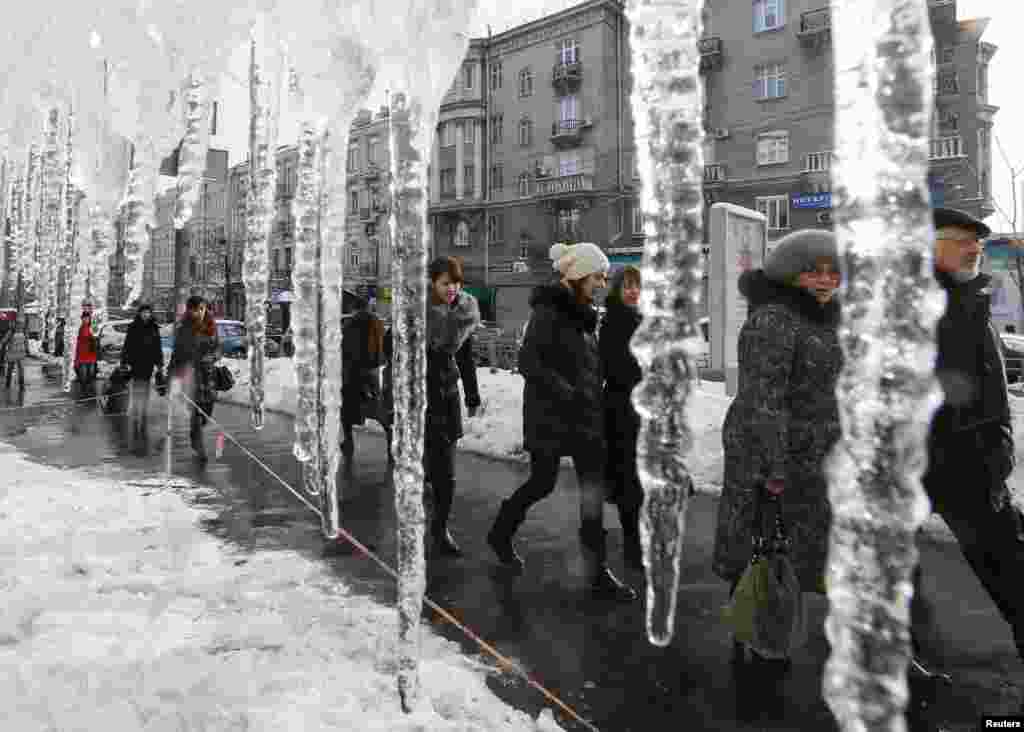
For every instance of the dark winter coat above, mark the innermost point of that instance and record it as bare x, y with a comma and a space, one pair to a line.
622, 373
197, 346
781, 425
466, 361
361, 360
448, 327
974, 423
142, 352
558, 358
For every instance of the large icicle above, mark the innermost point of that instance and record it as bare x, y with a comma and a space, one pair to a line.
887, 392
78, 271
69, 257
6, 172
192, 156
101, 225
259, 217
666, 105
53, 182
17, 235
30, 219
138, 214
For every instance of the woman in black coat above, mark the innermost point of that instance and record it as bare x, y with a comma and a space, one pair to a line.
622, 373
141, 355
196, 350
562, 410
362, 354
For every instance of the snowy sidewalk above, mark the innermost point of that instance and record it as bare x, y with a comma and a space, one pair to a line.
120, 613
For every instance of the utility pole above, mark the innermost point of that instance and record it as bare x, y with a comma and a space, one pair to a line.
485, 89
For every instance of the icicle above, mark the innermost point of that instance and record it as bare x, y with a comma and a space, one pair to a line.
666, 106
192, 158
52, 186
101, 224
71, 200
5, 195
78, 270
138, 214
17, 236
30, 219
259, 217
887, 393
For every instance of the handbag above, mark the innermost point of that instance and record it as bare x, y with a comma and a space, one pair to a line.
223, 379
767, 610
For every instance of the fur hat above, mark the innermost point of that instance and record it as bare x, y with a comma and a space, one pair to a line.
576, 261
954, 217
798, 252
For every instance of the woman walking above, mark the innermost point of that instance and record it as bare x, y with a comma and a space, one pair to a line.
362, 356
784, 419
622, 373
86, 347
141, 355
562, 411
196, 350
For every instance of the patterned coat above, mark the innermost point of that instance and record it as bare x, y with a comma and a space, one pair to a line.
448, 327
782, 424
197, 347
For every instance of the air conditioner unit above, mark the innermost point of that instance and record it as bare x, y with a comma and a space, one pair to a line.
721, 133
825, 217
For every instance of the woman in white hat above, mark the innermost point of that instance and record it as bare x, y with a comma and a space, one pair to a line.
562, 409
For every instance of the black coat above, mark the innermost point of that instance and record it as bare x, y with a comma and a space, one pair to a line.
142, 352
200, 353
558, 358
466, 361
448, 328
973, 424
360, 371
622, 373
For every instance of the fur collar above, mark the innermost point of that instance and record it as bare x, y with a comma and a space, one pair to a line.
561, 299
760, 290
448, 327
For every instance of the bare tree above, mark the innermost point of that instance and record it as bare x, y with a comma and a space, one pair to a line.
1017, 272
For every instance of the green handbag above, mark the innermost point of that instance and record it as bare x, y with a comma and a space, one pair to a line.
767, 610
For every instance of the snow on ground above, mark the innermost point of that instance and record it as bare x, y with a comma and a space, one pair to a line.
120, 613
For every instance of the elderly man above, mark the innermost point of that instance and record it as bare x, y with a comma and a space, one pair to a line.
970, 446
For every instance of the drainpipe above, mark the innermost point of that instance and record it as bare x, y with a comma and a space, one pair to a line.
485, 90
618, 84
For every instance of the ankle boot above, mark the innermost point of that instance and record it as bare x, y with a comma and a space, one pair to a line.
632, 551
603, 584
499, 538
444, 544
196, 437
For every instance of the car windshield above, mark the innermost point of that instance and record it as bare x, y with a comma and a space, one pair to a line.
230, 330
122, 327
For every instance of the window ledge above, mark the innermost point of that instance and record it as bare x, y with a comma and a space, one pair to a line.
774, 29
767, 100
768, 165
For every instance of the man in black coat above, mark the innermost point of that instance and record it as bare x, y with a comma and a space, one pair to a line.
141, 354
970, 446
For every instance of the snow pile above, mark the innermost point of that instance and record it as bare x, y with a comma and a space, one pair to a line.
120, 613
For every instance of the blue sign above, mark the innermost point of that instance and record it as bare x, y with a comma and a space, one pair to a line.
815, 200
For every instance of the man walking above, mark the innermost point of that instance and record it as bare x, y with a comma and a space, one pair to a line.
142, 354
17, 351
970, 446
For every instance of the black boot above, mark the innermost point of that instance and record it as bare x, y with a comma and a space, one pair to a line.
444, 544
603, 583
196, 437
499, 538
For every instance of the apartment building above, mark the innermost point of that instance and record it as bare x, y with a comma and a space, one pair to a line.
534, 145
768, 73
237, 192
158, 281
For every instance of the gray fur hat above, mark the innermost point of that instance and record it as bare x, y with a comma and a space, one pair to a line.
798, 252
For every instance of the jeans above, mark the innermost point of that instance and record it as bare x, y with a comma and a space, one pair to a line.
86, 373
20, 365
139, 409
439, 464
544, 476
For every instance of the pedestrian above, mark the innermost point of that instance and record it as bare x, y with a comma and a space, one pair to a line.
58, 346
386, 410
17, 352
86, 346
970, 443
466, 361
622, 373
452, 316
562, 410
783, 421
196, 350
142, 354
362, 349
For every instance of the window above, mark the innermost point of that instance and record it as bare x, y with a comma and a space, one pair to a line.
495, 227
468, 77
983, 83
373, 150
567, 108
447, 134
353, 203
467, 179
638, 218
469, 131
447, 181
526, 82
353, 257
497, 177
568, 223
773, 148
568, 51
462, 234
769, 81
496, 75
818, 162
353, 164
768, 14
524, 184
288, 258
776, 209
525, 133
569, 164
497, 123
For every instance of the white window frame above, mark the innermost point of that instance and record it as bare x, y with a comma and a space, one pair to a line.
353, 257
818, 162
638, 217
568, 107
770, 81
525, 132
524, 184
568, 51
495, 226
468, 74
469, 131
353, 203
372, 148
769, 10
776, 210
353, 158
526, 82
461, 238
496, 74
779, 140
569, 164
447, 134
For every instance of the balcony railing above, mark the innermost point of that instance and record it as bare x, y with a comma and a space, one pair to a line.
944, 148
567, 130
567, 73
564, 184
819, 162
714, 173
947, 83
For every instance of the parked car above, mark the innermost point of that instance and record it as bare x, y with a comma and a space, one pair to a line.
111, 337
1013, 352
232, 338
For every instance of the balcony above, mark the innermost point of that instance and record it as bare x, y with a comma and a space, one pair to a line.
568, 132
710, 53
947, 84
714, 173
564, 185
947, 148
815, 28
567, 75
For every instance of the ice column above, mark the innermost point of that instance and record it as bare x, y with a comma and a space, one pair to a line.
666, 104
30, 219
71, 200
53, 183
101, 224
17, 235
76, 289
138, 214
886, 391
259, 217
192, 158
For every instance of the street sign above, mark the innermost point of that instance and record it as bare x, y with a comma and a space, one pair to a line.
813, 200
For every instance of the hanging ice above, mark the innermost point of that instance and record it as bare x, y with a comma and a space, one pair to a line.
138, 214
886, 391
73, 280
666, 105
192, 165
30, 218
101, 229
16, 209
259, 216
53, 183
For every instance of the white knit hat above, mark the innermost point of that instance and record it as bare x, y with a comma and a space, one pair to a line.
576, 261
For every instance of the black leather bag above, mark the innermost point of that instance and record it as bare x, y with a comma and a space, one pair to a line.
223, 379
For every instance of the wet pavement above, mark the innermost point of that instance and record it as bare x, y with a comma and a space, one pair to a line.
594, 656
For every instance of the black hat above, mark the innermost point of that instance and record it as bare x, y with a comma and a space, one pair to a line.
956, 217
